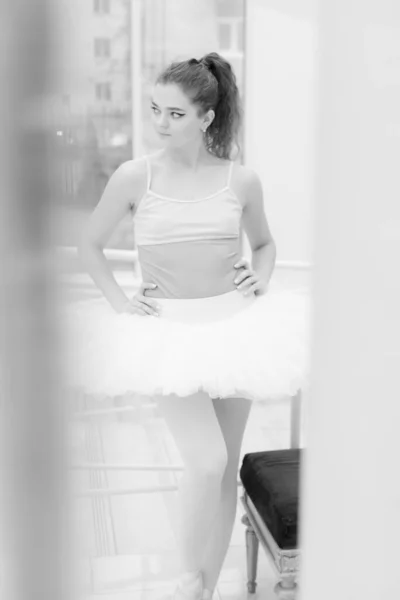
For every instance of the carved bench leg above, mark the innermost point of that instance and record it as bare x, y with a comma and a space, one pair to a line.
286, 589
252, 545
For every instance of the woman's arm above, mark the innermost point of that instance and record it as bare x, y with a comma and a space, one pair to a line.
256, 227
123, 187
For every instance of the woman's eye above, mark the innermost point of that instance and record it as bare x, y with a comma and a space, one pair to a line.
174, 113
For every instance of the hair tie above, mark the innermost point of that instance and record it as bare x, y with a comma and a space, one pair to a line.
210, 66
204, 62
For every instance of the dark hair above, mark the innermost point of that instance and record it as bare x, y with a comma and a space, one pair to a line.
210, 83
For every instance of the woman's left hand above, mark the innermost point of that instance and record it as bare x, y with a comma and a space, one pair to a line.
247, 281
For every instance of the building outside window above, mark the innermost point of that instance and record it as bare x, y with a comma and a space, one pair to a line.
101, 6
103, 91
102, 47
225, 35
230, 33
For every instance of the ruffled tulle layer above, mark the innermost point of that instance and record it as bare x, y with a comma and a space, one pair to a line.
259, 352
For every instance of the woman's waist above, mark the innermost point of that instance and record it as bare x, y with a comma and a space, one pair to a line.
204, 309
189, 274
188, 285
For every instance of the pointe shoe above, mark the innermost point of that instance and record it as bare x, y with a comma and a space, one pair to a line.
190, 587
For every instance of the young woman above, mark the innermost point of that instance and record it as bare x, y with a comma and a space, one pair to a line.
201, 335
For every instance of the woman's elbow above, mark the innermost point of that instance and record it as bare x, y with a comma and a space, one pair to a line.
87, 245
267, 243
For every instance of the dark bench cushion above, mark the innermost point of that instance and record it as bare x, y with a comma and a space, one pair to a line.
271, 480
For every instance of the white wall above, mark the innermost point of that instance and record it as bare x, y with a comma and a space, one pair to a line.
350, 522
280, 57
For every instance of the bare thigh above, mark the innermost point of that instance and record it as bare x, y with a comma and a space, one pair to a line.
232, 415
194, 425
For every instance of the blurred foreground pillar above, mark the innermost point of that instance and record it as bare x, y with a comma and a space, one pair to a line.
351, 482
33, 551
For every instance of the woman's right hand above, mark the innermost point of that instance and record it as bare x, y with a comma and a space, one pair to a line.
139, 304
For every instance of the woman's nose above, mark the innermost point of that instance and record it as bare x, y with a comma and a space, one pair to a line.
163, 121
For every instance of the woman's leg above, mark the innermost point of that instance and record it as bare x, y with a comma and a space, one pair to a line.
232, 414
197, 434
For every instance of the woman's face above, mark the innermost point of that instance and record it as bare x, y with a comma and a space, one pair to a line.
174, 117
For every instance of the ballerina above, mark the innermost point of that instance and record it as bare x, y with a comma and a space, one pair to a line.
202, 336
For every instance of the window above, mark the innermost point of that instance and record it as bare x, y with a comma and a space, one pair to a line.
224, 36
103, 91
93, 121
101, 6
239, 28
230, 35
102, 48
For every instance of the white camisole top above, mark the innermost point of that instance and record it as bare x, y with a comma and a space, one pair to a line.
188, 247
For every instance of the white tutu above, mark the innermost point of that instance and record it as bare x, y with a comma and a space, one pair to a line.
230, 345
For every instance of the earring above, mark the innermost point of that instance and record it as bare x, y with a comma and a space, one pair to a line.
204, 129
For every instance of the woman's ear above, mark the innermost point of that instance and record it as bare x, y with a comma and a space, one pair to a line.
210, 117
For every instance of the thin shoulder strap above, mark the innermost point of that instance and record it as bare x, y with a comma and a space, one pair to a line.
228, 183
148, 172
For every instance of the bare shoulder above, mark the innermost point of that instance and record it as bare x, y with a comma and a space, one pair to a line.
131, 177
131, 169
246, 183
247, 175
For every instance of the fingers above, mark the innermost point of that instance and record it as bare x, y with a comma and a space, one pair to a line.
133, 308
147, 286
253, 288
136, 307
149, 307
249, 285
244, 275
243, 262
247, 271
248, 282
259, 286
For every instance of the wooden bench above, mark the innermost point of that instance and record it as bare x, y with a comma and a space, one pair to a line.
270, 499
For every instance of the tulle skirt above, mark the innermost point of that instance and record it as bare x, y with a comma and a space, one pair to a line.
229, 345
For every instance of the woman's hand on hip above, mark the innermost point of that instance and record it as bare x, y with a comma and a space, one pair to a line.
247, 280
139, 304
